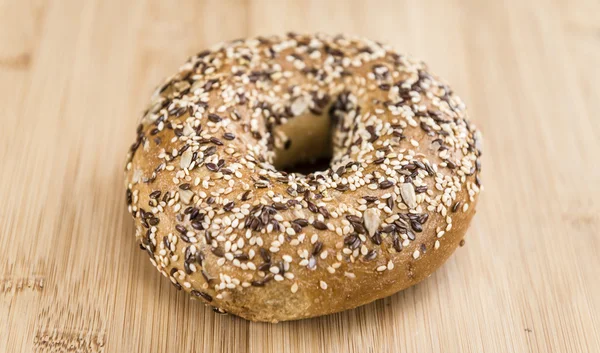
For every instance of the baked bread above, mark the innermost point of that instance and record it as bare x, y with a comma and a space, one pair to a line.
220, 213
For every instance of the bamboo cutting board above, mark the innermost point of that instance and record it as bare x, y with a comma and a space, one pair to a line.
75, 76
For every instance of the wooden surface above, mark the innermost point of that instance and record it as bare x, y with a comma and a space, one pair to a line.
75, 76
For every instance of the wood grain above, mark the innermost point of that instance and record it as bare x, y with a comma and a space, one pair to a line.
75, 76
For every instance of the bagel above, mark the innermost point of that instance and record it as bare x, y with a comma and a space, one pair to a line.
221, 212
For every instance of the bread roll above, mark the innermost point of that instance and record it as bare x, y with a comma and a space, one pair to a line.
218, 208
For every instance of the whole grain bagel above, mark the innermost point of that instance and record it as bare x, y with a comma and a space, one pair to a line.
219, 215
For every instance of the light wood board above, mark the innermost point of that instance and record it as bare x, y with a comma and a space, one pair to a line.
75, 76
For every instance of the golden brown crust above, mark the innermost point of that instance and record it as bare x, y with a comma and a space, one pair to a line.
218, 218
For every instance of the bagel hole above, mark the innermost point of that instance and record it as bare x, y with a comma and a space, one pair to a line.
308, 167
307, 144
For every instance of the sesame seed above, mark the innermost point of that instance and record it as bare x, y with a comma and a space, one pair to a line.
416, 254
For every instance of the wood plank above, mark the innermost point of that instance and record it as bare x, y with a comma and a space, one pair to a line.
76, 75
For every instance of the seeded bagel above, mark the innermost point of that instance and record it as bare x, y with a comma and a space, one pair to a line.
221, 212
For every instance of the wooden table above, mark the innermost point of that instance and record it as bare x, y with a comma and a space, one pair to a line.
75, 76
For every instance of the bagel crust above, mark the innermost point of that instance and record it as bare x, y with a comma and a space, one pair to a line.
220, 217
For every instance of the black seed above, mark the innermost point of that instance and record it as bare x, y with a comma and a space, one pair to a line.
388, 229
376, 238
229, 206
214, 118
202, 295
264, 267
292, 202
398, 134
281, 268
359, 228
185, 186
421, 189
317, 248
153, 221
228, 136
186, 268
319, 225
354, 219
150, 248
397, 244
312, 207
212, 167
280, 206
246, 195
372, 254
350, 239
181, 229
416, 226
241, 257
301, 222
185, 238
370, 199
218, 251
265, 254
333, 51
425, 127
324, 212
386, 184
155, 194
390, 203
306, 194
342, 187
294, 226
208, 85
371, 130
197, 225
189, 257
216, 141
128, 196
210, 151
